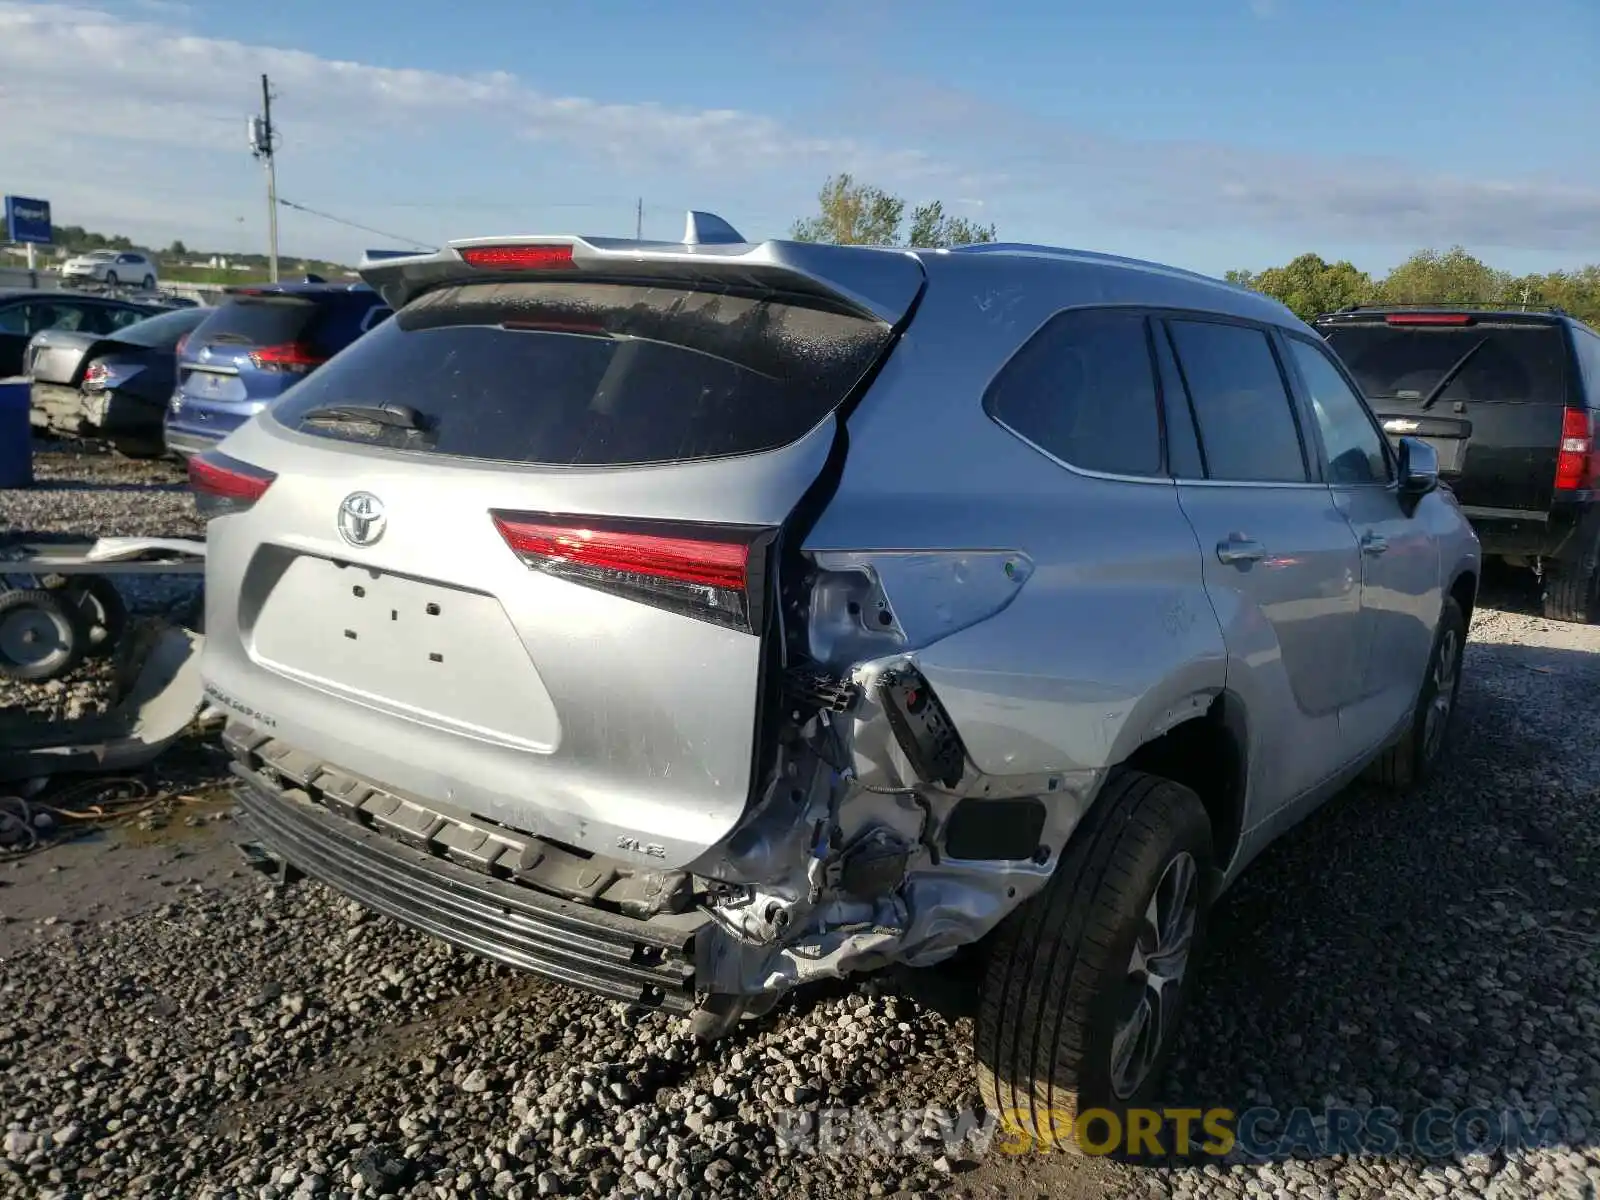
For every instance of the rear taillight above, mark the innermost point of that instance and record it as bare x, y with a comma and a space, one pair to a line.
96, 375
709, 572
518, 258
224, 485
1577, 464
177, 350
294, 357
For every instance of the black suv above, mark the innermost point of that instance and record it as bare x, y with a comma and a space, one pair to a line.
1511, 401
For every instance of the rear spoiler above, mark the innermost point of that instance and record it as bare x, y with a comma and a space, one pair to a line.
880, 283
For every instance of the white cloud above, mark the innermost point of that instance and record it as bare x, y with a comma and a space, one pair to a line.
146, 136
153, 109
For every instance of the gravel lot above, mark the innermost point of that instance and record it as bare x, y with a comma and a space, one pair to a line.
172, 1026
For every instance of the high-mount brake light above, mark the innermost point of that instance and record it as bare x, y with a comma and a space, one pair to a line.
294, 358
709, 572
1428, 319
1577, 464
223, 485
518, 258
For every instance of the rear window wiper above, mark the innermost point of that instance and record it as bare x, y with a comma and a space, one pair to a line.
392, 416
1449, 376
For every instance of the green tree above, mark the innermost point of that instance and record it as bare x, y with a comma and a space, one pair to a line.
931, 227
1309, 284
859, 214
1454, 277
178, 250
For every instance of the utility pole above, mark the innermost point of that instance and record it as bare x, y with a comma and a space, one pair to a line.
638, 221
263, 141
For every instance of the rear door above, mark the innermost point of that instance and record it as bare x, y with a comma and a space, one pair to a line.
1496, 422
516, 556
1281, 564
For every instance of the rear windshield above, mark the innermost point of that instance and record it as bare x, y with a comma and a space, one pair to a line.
1510, 361
591, 374
162, 332
257, 321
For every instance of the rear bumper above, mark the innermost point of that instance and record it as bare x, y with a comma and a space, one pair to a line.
1558, 533
184, 443
334, 837
107, 413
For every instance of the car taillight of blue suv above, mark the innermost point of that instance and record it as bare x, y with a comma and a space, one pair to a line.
258, 343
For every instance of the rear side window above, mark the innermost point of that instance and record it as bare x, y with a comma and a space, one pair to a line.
1082, 389
1497, 361
1247, 425
591, 374
161, 331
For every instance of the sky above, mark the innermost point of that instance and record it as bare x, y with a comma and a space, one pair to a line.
1209, 134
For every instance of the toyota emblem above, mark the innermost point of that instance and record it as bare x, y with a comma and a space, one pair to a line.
361, 519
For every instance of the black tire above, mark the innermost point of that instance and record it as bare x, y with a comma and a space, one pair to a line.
149, 283
139, 447
1060, 974
105, 613
1412, 760
42, 635
111, 279
1572, 593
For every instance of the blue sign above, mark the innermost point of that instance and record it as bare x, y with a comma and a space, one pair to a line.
27, 220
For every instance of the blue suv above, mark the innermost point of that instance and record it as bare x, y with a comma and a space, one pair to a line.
258, 343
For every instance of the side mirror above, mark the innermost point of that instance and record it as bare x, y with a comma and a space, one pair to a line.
1419, 467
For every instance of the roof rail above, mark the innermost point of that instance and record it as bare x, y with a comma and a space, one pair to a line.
1483, 305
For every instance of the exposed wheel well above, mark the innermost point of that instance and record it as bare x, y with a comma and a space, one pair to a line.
1463, 591
1205, 755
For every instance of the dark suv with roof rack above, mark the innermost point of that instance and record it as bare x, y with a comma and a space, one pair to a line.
1509, 399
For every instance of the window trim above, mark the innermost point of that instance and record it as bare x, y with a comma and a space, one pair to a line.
1164, 477
1304, 399
1311, 462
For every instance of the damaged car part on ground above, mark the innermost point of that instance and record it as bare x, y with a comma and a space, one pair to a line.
825, 608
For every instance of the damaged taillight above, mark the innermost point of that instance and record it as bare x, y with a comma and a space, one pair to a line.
709, 572
224, 485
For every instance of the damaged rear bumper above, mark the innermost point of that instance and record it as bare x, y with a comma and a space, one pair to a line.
71, 411
335, 837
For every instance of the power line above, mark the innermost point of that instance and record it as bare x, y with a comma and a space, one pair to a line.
353, 224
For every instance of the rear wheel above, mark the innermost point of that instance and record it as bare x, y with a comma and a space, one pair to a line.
42, 634
1572, 591
1086, 981
139, 447
111, 279
149, 284
1412, 760
104, 612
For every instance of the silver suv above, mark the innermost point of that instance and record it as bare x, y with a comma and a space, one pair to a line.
691, 621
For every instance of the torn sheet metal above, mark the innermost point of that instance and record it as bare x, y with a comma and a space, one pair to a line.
165, 697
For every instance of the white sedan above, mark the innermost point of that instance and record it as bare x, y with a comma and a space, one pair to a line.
112, 267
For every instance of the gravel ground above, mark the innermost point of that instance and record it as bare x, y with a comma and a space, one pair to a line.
217, 1037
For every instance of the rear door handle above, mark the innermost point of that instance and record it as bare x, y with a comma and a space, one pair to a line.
1373, 543
1240, 549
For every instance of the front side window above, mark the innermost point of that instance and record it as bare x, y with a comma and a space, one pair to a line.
1247, 425
1082, 389
1352, 442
